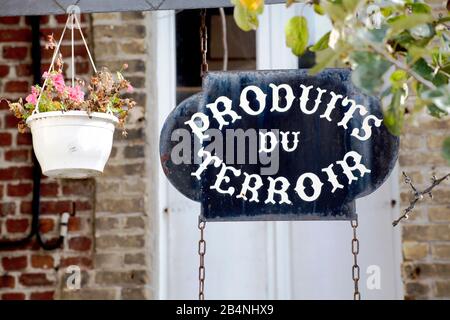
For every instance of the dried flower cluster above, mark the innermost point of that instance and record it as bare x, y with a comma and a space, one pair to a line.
103, 93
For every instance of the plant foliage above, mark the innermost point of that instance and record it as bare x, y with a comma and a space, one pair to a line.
396, 48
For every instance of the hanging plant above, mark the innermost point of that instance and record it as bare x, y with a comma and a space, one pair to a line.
72, 126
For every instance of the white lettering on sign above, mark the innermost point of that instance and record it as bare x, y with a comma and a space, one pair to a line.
308, 186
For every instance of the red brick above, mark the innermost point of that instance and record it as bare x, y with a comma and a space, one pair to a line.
5, 139
17, 155
83, 67
4, 70
13, 296
74, 224
61, 18
80, 243
23, 70
57, 33
66, 51
14, 263
7, 281
25, 207
77, 261
34, 279
16, 53
49, 189
11, 121
4, 104
54, 207
24, 139
42, 261
83, 205
17, 86
17, 225
47, 295
16, 173
19, 190
77, 188
9, 20
11, 35
46, 225
7, 208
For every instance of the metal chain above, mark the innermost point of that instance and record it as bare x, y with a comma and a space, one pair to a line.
201, 221
355, 268
201, 253
203, 42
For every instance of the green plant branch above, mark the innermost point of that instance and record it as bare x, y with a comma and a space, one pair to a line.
401, 65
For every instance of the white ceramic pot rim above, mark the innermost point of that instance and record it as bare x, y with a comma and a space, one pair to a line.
75, 114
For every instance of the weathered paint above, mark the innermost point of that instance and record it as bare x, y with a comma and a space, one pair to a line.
321, 143
180, 174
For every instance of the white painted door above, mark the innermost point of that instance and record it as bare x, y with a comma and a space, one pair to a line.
269, 260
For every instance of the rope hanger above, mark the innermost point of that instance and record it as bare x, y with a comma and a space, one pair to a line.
73, 21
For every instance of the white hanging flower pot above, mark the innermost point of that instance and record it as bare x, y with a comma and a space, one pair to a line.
69, 141
72, 144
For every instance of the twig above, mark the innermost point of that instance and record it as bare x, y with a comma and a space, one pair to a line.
402, 66
396, 62
418, 195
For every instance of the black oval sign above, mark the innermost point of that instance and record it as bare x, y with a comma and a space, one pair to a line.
278, 145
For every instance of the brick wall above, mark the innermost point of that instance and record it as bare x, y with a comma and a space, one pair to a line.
109, 236
426, 234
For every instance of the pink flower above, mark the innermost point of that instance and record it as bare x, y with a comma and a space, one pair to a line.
76, 94
58, 82
130, 88
33, 96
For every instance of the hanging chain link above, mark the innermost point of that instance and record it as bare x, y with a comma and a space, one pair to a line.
203, 42
355, 268
201, 253
201, 221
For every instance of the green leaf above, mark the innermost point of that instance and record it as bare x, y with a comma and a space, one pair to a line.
398, 78
369, 71
324, 59
400, 23
423, 69
415, 53
321, 44
446, 149
335, 11
435, 111
297, 35
394, 114
422, 31
29, 106
387, 11
318, 9
438, 101
373, 35
350, 5
255, 6
246, 19
419, 7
